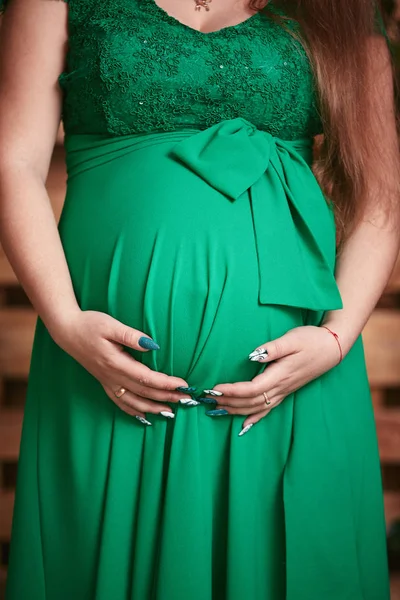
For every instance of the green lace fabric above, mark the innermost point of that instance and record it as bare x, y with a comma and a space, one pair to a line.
133, 68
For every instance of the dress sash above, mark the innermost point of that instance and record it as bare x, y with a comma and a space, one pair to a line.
289, 209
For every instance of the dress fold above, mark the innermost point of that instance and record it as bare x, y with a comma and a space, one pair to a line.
211, 242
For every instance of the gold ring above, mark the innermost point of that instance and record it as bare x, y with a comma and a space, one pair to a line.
120, 392
267, 400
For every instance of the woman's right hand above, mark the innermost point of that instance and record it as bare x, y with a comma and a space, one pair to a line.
96, 340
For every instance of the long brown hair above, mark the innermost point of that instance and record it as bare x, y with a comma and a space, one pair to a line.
337, 35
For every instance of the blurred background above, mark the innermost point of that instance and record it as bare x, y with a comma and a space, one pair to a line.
382, 346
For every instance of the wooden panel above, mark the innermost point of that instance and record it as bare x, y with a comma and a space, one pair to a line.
10, 433
392, 506
16, 337
6, 510
378, 397
388, 429
395, 587
7, 276
382, 348
3, 576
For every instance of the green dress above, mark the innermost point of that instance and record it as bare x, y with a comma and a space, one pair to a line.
192, 214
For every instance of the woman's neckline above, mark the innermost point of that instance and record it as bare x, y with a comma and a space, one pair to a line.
173, 20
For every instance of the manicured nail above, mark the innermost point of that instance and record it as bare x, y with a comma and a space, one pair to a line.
259, 357
148, 343
258, 351
208, 400
185, 389
213, 392
246, 429
189, 402
217, 412
167, 414
143, 420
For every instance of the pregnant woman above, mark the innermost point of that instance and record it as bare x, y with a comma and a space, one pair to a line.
198, 422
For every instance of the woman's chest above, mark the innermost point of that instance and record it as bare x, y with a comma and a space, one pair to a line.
134, 68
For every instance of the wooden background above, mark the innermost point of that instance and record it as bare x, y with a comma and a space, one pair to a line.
17, 321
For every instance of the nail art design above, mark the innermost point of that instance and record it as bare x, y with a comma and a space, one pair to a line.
148, 343
217, 412
142, 420
257, 353
246, 429
189, 402
185, 389
259, 357
208, 400
213, 392
167, 414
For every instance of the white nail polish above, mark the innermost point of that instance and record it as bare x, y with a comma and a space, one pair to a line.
213, 392
142, 420
246, 429
166, 413
258, 352
189, 402
258, 358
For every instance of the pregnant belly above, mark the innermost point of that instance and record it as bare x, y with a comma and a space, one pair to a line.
156, 246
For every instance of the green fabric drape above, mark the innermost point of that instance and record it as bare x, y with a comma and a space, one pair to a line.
211, 242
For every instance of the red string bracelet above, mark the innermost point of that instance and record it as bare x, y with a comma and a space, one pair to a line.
335, 335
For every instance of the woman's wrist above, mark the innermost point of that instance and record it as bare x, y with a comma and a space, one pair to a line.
345, 334
337, 340
59, 324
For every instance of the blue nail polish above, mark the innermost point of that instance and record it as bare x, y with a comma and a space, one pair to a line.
148, 343
217, 413
185, 389
207, 400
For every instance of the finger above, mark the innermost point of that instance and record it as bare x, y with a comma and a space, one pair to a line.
255, 402
234, 402
252, 420
267, 380
275, 349
131, 369
255, 418
141, 417
155, 394
147, 406
240, 389
128, 336
244, 407
126, 408
230, 410
137, 406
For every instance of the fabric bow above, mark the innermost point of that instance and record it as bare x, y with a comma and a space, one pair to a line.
293, 223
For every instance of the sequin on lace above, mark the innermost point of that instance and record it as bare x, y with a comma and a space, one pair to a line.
133, 68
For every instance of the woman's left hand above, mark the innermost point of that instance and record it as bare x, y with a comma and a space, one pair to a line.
299, 356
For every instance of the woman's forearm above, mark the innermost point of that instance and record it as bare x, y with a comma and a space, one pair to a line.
363, 269
30, 238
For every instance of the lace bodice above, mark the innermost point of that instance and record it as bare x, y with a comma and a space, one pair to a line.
133, 68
